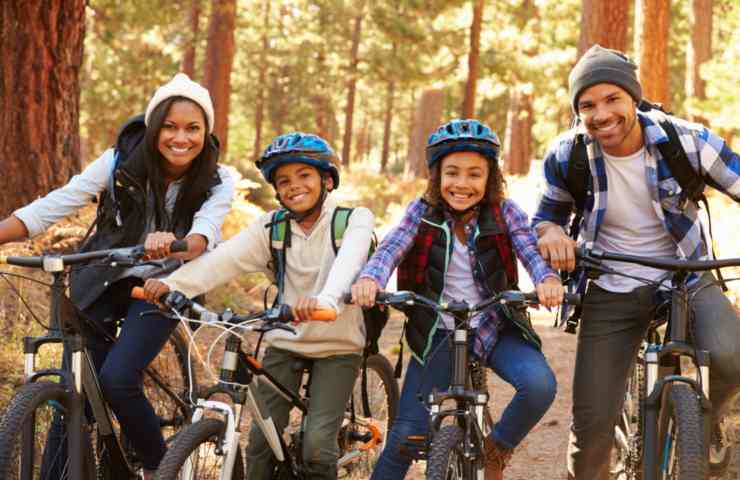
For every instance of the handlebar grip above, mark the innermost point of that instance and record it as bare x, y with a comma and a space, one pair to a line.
138, 293
324, 315
572, 298
179, 246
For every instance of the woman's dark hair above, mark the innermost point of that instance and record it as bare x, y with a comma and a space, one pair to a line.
198, 178
495, 185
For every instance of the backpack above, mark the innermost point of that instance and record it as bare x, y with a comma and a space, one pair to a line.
374, 318
692, 185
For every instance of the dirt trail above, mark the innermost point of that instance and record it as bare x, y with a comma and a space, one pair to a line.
542, 454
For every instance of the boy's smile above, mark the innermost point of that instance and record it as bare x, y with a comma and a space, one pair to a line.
298, 186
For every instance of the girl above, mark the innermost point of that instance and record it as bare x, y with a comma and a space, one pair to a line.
161, 182
455, 243
302, 170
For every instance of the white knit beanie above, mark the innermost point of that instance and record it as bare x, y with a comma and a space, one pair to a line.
182, 86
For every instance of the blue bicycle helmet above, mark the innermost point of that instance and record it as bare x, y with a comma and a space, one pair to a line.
462, 136
298, 147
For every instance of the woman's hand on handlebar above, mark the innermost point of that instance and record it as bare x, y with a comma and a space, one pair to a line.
550, 292
157, 244
154, 290
364, 292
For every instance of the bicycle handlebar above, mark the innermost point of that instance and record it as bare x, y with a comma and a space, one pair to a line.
280, 314
55, 263
594, 256
404, 297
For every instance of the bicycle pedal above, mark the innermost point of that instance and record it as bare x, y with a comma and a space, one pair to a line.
414, 447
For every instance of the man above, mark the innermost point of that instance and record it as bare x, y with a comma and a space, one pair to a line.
634, 206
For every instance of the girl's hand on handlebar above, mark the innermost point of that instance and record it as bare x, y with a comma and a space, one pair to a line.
154, 290
550, 292
157, 244
364, 291
303, 309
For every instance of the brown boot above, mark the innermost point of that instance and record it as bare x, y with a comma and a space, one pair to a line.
496, 458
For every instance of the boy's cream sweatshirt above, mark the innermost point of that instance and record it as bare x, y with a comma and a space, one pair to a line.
311, 271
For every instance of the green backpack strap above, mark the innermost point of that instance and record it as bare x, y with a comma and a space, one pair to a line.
279, 241
339, 222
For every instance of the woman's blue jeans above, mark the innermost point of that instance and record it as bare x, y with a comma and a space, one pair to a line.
513, 359
120, 369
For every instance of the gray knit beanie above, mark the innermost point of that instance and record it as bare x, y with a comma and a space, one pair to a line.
603, 65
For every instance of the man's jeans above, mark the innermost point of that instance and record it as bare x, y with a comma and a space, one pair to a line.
332, 380
611, 330
513, 359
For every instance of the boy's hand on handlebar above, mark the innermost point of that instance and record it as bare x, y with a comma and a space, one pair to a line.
157, 244
303, 309
364, 291
550, 292
557, 248
154, 290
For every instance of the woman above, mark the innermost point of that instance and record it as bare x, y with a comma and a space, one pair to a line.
159, 183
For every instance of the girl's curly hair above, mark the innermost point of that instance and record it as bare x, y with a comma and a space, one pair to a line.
495, 185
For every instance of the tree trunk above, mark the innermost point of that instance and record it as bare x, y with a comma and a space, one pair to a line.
259, 107
188, 59
653, 50
42, 44
698, 51
218, 63
468, 109
426, 119
603, 22
518, 138
351, 89
387, 122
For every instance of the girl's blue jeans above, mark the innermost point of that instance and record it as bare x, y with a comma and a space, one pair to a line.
513, 359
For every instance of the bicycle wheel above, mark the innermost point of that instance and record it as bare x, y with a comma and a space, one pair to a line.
681, 439
382, 393
445, 460
626, 461
167, 383
196, 448
33, 437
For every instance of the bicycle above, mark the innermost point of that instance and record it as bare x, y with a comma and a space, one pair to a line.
663, 428
454, 450
94, 448
209, 447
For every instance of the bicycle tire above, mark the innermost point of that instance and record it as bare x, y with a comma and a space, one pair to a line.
30, 415
681, 436
170, 397
382, 391
626, 461
445, 460
201, 439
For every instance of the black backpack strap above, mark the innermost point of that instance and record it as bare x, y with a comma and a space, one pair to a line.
576, 180
692, 184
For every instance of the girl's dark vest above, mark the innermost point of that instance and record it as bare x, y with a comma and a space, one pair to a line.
424, 268
128, 204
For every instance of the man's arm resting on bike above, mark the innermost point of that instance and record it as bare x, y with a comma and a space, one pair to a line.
556, 246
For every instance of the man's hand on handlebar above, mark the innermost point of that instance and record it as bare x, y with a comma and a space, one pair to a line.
557, 248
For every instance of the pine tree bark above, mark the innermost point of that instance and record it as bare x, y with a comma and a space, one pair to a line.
603, 22
698, 52
42, 43
188, 59
468, 109
259, 107
351, 89
518, 138
218, 64
387, 122
652, 49
427, 117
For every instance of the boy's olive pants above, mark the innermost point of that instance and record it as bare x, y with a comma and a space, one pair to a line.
331, 384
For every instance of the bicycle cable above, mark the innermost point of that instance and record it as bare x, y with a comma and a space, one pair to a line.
20, 297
